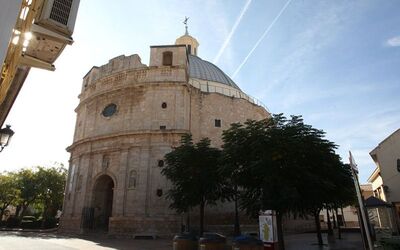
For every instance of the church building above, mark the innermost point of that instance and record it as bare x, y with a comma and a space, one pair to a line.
129, 116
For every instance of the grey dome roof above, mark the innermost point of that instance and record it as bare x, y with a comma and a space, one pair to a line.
201, 69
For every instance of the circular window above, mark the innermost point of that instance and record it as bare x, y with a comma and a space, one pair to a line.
164, 105
109, 110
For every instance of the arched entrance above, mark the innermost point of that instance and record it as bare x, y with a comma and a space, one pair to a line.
102, 201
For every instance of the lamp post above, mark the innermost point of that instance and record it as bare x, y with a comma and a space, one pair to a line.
5, 136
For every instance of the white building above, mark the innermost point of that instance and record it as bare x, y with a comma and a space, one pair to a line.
386, 177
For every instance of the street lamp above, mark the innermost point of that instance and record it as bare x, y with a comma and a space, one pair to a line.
5, 136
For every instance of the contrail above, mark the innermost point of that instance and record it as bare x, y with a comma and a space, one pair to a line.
227, 40
261, 38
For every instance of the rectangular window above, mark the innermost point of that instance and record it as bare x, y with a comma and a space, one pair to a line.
167, 58
163, 127
132, 179
79, 183
398, 165
217, 123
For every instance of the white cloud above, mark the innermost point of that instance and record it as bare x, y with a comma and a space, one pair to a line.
260, 39
218, 24
393, 42
227, 40
301, 55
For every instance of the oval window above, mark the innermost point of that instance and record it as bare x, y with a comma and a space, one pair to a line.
109, 110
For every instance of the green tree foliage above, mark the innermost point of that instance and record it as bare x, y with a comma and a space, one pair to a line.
9, 192
51, 189
38, 187
283, 165
193, 172
236, 155
28, 184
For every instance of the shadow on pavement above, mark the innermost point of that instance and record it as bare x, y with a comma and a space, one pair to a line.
350, 241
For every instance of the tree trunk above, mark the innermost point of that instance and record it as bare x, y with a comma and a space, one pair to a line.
188, 221
44, 217
17, 211
23, 210
344, 221
334, 219
339, 231
330, 231
201, 218
1, 214
318, 227
236, 231
3, 209
281, 242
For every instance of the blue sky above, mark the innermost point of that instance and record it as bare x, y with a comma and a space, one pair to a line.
337, 63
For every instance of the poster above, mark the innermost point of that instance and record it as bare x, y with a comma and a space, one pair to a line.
267, 224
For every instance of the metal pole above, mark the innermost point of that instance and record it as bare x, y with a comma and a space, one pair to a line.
361, 203
360, 221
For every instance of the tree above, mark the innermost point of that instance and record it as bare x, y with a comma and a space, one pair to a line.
51, 190
269, 180
235, 155
28, 185
8, 192
41, 186
192, 170
343, 193
287, 166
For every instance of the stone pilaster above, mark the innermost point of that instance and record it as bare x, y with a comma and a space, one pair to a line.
120, 189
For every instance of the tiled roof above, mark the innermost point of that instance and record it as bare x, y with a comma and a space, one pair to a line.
201, 69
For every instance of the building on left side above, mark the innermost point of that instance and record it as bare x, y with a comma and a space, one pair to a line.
33, 33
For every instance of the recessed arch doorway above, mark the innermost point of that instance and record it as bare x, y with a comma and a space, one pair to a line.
102, 201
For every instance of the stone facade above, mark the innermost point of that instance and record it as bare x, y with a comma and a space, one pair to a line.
129, 116
386, 178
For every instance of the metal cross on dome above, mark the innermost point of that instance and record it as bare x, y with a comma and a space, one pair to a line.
185, 23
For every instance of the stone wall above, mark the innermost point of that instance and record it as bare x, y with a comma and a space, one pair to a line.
155, 107
130, 226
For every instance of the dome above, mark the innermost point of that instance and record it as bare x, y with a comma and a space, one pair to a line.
191, 43
204, 70
187, 39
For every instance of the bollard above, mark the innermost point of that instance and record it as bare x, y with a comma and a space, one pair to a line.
212, 241
185, 242
245, 242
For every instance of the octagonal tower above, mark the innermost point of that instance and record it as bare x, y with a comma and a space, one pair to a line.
129, 116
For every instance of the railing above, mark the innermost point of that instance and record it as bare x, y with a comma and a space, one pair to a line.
228, 91
161, 74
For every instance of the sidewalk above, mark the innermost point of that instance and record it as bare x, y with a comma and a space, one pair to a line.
349, 241
50, 240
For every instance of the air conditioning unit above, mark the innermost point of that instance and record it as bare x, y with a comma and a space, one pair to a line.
58, 15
